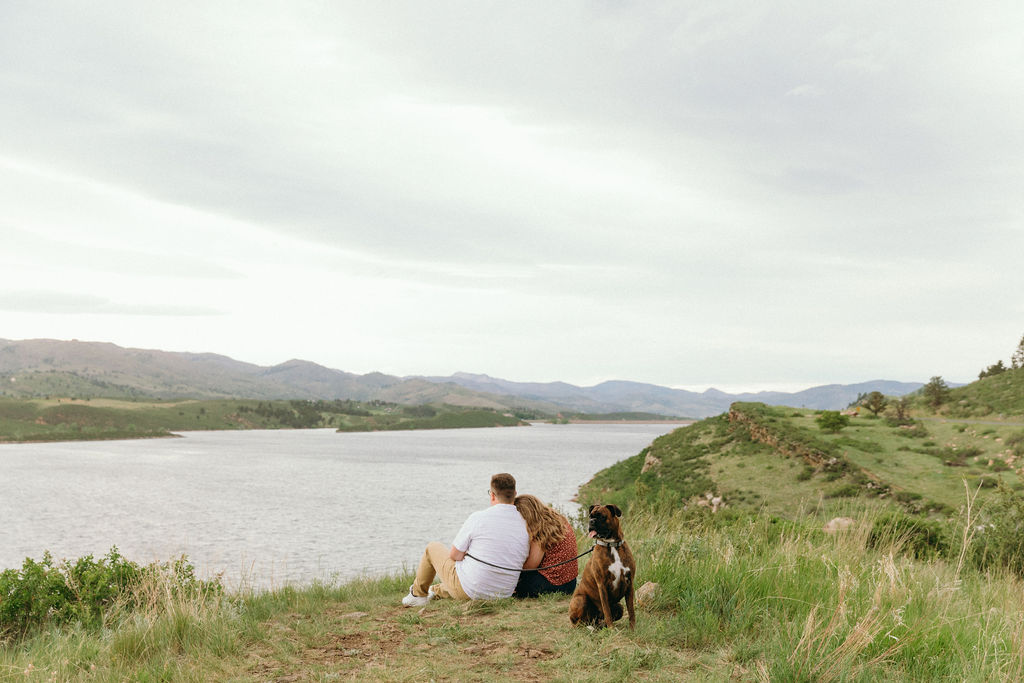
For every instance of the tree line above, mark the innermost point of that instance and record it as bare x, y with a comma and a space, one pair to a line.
1016, 363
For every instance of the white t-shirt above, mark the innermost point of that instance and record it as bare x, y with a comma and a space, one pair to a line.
497, 535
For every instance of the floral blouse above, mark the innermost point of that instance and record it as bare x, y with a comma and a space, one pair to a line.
562, 551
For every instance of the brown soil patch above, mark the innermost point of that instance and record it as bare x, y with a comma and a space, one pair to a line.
392, 641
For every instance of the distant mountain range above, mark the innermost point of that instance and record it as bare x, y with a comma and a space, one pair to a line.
622, 396
95, 369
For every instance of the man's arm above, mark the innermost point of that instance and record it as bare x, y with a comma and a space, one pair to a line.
463, 538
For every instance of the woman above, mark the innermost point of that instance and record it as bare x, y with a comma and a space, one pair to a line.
552, 541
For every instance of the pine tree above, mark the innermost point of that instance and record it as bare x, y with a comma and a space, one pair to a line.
936, 391
1017, 359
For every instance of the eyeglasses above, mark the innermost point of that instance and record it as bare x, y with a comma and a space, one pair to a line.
490, 492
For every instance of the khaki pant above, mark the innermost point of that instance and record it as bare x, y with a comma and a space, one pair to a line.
436, 561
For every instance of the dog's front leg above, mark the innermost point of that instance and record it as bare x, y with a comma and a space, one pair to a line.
629, 604
606, 607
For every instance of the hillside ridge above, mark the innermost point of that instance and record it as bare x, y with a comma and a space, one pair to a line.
102, 369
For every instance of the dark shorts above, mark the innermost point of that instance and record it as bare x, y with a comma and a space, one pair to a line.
532, 584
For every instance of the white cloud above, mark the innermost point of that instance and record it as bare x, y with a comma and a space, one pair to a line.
668, 192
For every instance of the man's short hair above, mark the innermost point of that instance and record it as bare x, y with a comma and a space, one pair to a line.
504, 487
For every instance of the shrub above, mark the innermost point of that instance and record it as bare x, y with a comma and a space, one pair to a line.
915, 430
906, 496
832, 421
82, 590
844, 491
1015, 442
998, 543
919, 537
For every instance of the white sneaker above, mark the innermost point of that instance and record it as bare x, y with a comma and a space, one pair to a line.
411, 600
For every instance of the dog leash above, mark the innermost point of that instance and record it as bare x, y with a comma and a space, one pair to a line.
536, 569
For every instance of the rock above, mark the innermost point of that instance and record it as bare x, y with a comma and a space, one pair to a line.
650, 462
838, 524
709, 500
646, 594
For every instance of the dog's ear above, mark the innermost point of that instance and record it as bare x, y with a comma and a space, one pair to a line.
614, 509
591, 510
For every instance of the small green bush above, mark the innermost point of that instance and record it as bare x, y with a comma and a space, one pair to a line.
80, 591
1015, 442
916, 536
906, 496
832, 421
998, 542
915, 430
844, 491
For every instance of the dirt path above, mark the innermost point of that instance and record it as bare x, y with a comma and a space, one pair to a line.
971, 422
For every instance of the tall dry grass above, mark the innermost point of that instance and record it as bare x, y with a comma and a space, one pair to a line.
794, 602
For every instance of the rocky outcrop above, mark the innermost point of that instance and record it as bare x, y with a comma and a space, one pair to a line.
820, 457
650, 462
791, 448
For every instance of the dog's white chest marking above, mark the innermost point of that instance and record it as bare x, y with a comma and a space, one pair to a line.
617, 569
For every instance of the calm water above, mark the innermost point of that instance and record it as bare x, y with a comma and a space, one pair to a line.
271, 507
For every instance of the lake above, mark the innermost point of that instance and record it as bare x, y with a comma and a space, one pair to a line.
268, 508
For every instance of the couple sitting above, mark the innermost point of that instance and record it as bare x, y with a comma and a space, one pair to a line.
484, 559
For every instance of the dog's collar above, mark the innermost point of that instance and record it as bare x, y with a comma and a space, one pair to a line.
609, 544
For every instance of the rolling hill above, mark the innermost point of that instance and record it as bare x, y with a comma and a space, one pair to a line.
43, 367
623, 396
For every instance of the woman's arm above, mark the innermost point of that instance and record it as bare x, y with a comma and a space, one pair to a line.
535, 556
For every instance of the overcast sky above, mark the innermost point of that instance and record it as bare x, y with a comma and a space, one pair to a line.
731, 194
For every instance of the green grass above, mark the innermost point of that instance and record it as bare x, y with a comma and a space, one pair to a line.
997, 397
779, 459
464, 418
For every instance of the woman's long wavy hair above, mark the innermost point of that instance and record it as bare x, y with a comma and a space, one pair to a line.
544, 524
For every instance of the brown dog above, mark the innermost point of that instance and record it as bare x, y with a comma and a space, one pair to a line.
608, 576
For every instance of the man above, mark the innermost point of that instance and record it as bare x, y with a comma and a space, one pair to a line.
496, 535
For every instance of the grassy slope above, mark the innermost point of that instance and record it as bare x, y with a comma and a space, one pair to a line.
884, 465
998, 396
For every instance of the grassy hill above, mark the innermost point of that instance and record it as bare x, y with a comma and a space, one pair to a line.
758, 456
1000, 396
